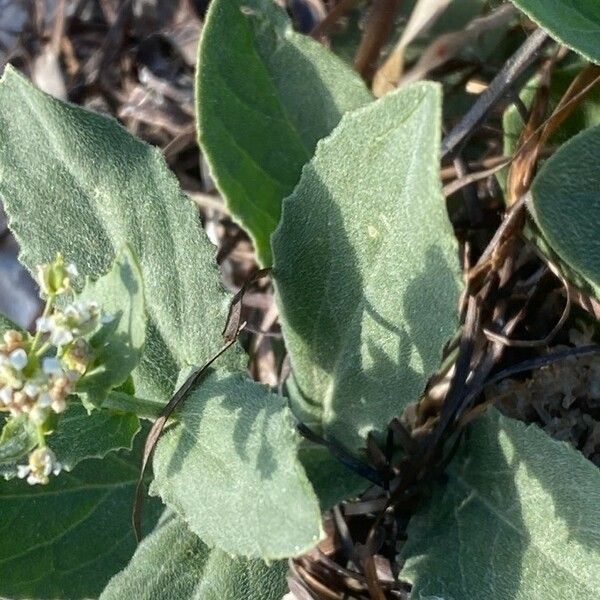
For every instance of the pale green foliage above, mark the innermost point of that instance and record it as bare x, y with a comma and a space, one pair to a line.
134, 200
366, 267
65, 540
575, 23
516, 520
266, 95
117, 346
80, 435
173, 564
230, 468
94, 189
565, 202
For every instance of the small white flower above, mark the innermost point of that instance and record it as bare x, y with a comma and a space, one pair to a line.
38, 415
59, 405
45, 400
42, 463
6, 395
105, 319
61, 337
22, 471
31, 389
18, 359
44, 324
71, 269
51, 366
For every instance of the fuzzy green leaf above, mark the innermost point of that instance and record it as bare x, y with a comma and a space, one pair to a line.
18, 437
517, 519
173, 564
565, 202
80, 435
575, 23
231, 470
64, 169
366, 267
262, 106
117, 346
77, 182
66, 540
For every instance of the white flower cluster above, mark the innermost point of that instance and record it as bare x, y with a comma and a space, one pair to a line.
29, 385
38, 372
42, 463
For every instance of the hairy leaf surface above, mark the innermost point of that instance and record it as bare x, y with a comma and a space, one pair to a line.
173, 564
517, 519
366, 267
77, 182
575, 23
565, 202
67, 539
263, 103
117, 346
231, 470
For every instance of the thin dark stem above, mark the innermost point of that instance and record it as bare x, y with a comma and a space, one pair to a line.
497, 89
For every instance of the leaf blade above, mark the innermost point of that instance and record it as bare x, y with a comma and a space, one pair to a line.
530, 500
132, 200
258, 119
173, 564
74, 533
575, 23
231, 470
365, 269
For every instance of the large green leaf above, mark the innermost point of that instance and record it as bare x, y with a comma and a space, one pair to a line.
117, 346
77, 182
366, 267
64, 169
517, 519
231, 470
67, 539
266, 95
565, 202
575, 23
173, 564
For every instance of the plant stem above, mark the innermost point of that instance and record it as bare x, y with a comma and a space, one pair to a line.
38, 333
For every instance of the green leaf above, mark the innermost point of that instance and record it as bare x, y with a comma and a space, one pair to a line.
77, 182
231, 470
173, 564
80, 435
6, 324
332, 481
64, 169
575, 23
18, 437
517, 519
117, 346
65, 540
565, 202
262, 106
366, 268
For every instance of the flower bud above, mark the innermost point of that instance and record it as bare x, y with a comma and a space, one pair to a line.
55, 278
